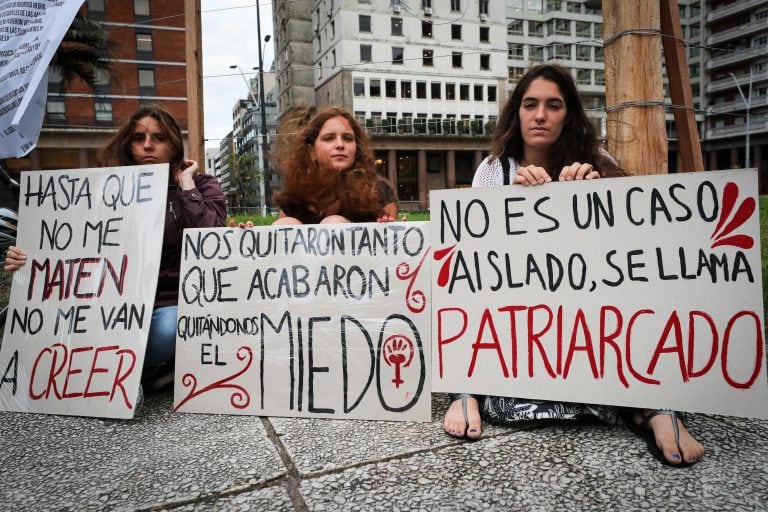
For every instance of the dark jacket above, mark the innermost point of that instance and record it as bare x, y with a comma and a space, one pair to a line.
201, 207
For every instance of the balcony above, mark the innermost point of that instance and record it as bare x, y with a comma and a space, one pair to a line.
727, 83
733, 9
739, 130
736, 57
431, 127
736, 32
737, 104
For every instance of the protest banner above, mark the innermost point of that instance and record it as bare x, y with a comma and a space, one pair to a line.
638, 291
80, 307
314, 321
30, 33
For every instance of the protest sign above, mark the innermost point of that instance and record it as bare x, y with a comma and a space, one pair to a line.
313, 321
638, 291
80, 307
30, 33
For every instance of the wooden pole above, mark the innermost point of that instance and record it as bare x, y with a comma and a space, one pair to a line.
633, 85
194, 57
679, 79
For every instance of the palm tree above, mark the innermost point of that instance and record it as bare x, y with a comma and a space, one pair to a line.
83, 52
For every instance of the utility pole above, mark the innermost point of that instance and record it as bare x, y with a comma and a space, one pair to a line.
194, 58
266, 175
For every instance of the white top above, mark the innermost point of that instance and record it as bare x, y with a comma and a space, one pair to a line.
490, 174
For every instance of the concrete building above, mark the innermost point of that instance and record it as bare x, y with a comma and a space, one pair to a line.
149, 66
428, 78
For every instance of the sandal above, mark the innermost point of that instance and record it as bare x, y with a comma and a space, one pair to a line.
644, 430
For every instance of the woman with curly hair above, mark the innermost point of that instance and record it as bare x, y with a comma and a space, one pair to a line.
327, 171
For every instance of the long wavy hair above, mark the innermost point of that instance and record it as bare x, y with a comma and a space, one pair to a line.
578, 140
118, 149
311, 189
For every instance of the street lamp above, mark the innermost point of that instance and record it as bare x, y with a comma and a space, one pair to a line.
748, 104
262, 158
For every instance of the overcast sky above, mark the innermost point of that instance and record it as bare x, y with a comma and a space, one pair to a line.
229, 37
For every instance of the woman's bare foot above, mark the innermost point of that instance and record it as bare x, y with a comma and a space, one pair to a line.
686, 449
457, 425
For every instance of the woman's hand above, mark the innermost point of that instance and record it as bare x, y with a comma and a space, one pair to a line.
185, 175
531, 175
14, 259
578, 171
385, 218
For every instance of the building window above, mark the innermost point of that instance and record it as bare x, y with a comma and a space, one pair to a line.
405, 89
464, 92
390, 88
515, 74
492, 93
397, 26
515, 28
397, 55
485, 34
535, 28
365, 53
103, 112
141, 7
455, 5
144, 43
456, 32
426, 4
478, 92
563, 27
426, 29
374, 88
56, 111
333, 57
456, 59
536, 53
599, 77
599, 56
427, 57
364, 23
485, 61
146, 78
584, 76
333, 30
421, 90
583, 53
359, 86
515, 51
450, 91
435, 90
483, 6
563, 51
583, 29
95, 6
598, 30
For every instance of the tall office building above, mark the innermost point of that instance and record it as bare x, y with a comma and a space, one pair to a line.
149, 65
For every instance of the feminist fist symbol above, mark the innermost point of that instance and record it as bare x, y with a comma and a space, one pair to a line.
397, 351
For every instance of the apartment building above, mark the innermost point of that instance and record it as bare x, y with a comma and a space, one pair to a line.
428, 77
149, 66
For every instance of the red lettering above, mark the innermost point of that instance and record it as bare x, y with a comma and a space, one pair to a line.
610, 339
628, 346
71, 371
693, 335
673, 324
580, 323
513, 332
444, 341
758, 352
487, 319
67, 277
535, 338
119, 281
94, 370
83, 275
119, 378
54, 371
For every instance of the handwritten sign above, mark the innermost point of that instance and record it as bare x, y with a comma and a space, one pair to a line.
314, 321
30, 33
80, 307
641, 291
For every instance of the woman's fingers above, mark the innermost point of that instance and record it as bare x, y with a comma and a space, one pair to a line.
578, 171
531, 175
14, 259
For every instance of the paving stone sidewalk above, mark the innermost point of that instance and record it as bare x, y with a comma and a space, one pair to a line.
165, 461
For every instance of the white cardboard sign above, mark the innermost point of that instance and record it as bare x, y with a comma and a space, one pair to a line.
312, 321
639, 291
80, 307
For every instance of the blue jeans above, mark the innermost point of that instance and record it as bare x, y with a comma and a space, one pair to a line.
161, 342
